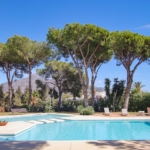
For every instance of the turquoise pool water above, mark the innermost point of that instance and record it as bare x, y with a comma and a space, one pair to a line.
32, 117
88, 130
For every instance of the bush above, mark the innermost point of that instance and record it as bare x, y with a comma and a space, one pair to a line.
25, 106
85, 111
48, 108
88, 111
67, 106
80, 109
71, 105
139, 102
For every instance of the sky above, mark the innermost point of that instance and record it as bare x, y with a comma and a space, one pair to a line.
33, 18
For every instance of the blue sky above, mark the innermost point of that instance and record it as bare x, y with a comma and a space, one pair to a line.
33, 18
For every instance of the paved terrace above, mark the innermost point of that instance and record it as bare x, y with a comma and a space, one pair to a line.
76, 145
13, 128
81, 117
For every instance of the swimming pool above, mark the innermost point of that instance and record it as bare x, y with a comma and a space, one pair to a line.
31, 117
87, 130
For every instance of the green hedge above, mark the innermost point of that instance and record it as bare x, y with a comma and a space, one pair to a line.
139, 102
85, 111
71, 105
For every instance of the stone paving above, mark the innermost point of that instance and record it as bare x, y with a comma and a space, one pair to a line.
76, 145
80, 117
13, 128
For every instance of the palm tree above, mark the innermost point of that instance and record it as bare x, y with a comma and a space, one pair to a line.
35, 96
137, 86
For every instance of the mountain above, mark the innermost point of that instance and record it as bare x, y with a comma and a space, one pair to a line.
24, 82
99, 89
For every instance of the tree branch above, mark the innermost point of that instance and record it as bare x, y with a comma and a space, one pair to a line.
87, 51
140, 61
97, 71
83, 43
93, 53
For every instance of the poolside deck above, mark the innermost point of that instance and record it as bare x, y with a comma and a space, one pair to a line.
80, 117
13, 128
76, 145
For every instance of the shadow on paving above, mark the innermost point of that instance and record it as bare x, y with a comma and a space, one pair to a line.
19, 145
126, 145
91, 145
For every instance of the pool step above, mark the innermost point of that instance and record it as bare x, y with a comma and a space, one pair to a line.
46, 121
35, 122
57, 120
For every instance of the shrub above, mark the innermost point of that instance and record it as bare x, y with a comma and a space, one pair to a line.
67, 105
85, 111
71, 105
80, 109
88, 111
139, 102
25, 106
48, 108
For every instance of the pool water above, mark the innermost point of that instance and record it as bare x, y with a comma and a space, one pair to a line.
31, 117
88, 130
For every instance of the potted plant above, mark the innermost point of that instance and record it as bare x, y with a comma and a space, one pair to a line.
3, 123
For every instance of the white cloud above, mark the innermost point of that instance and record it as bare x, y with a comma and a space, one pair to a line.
146, 27
99, 81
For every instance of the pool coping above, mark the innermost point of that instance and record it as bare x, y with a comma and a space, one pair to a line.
76, 118
82, 117
13, 116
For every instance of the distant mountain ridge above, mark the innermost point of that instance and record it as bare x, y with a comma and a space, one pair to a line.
24, 82
99, 89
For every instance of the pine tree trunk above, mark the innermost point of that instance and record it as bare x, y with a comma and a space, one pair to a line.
84, 84
10, 96
30, 86
60, 100
128, 88
85, 93
92, 88
10, 89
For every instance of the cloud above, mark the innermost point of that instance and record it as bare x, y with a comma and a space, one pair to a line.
99, 81
146, 27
